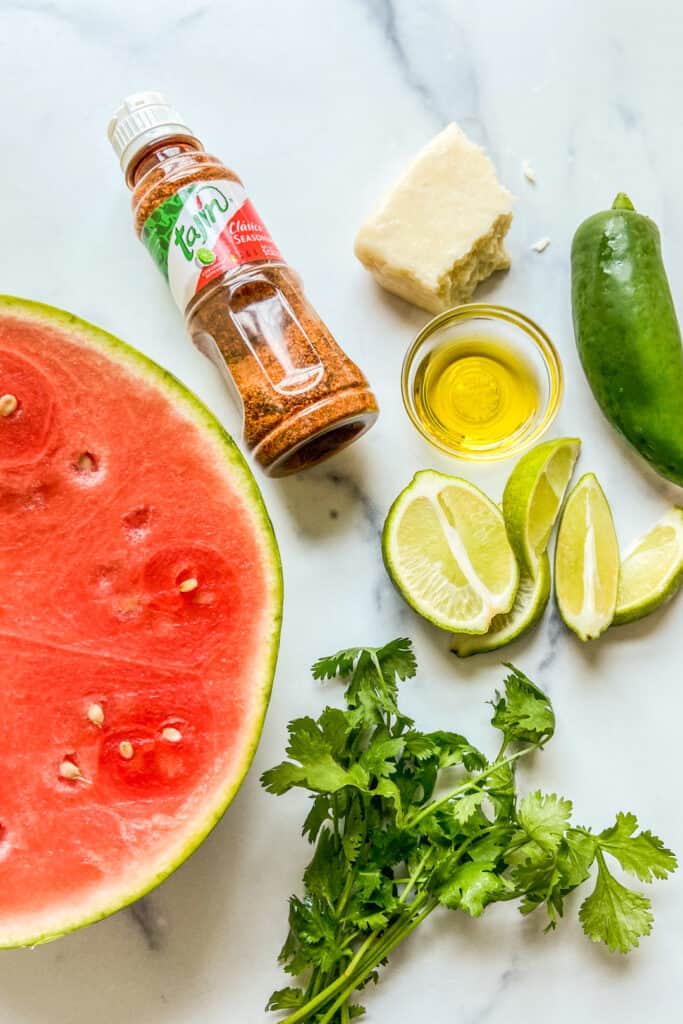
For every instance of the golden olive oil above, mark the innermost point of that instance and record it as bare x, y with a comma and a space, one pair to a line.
475, 393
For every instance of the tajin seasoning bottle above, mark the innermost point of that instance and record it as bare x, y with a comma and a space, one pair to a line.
303, 399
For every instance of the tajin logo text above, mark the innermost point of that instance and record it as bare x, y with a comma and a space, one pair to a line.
212, 204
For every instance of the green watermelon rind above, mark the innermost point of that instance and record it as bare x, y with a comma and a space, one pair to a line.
183, 399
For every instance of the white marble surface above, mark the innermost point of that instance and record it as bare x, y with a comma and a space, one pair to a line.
318, 104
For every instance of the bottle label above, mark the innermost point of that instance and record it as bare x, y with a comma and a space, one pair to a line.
202, 231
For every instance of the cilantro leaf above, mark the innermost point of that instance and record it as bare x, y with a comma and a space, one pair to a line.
615, 915
370, 692
492, 845
462, 809
319, 813
307, 741
471, 887
397, 660
420, 745
339, 664
318, 770
323, 775
390, 791
544, 818
575, 857
373, 674
286, 999
354, 832
455, 749
643, 855
539, 882
335, 728
325, 875
524, 714
313, 938
369, 882
283, 777
500, 788
379, 760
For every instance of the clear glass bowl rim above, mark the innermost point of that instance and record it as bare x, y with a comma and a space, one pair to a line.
532, 332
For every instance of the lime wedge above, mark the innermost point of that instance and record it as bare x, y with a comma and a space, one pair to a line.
587, 561
532, 598
533, 496
652, 569
446, 549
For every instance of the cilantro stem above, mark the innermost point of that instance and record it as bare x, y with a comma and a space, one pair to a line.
321, 997
364, 961
409, 884
473, 783
383, 949
343, 899
316, 982
414, 877
393, 935
335, 818
342, 1001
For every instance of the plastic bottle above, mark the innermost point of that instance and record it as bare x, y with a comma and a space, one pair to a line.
303, 399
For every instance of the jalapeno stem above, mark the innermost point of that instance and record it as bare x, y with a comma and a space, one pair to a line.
622, 202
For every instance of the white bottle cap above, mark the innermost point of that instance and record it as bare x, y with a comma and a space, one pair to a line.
141, 119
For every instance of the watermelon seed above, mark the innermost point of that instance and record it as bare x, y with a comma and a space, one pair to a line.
171, 735
86, 463
126, 749
186, 586
8, 404
96, 715
69, 770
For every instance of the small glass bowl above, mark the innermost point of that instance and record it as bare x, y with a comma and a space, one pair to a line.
514, 332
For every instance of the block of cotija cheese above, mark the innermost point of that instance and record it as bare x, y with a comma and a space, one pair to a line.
440, 229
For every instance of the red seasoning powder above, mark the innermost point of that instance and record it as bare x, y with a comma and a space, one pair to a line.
303, 399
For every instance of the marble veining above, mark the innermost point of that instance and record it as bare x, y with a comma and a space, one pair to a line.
357, 495
483, 1015
554, 631
319, 105
152, 925
384, 12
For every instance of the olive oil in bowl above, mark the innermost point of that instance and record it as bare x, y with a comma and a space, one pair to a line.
475, 392
482, 382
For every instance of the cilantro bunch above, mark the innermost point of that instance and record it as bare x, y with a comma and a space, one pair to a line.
394, 840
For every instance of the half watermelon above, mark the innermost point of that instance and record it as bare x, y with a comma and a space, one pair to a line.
140, 607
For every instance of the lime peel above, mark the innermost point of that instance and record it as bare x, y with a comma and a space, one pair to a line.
651, 570
526, 612
533, 497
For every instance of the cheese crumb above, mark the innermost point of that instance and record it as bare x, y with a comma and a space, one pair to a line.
541, 245
439, 231
529, 172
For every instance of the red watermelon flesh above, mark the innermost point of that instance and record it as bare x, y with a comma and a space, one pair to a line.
140, 603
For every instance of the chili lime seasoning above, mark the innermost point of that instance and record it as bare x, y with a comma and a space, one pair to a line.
303, 399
